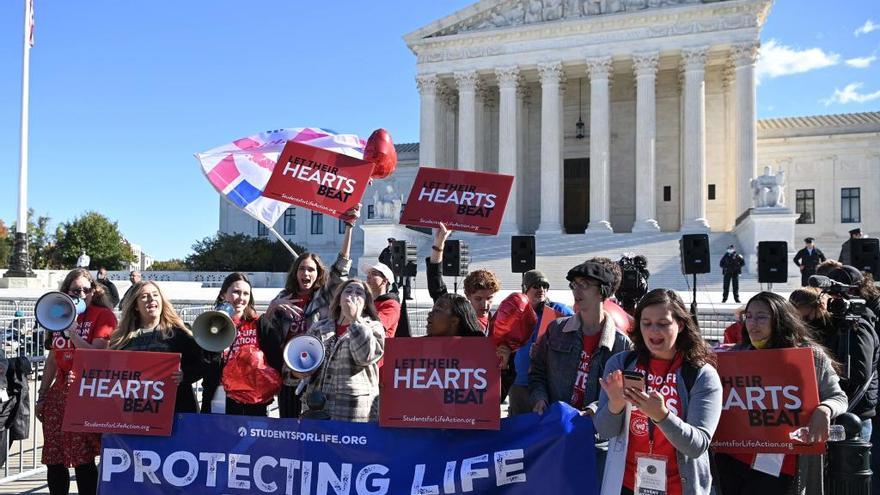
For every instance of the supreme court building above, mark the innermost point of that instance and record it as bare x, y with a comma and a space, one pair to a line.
621, 116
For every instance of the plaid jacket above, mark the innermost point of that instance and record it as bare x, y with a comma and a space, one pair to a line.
317, 309
349, 377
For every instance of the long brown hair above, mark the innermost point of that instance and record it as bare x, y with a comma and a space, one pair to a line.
689, 341
130, 321
291, 285
250, 312
787, 330
369, 305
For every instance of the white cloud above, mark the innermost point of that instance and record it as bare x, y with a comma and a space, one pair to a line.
777, 60
867, 27
850, 94
861, 62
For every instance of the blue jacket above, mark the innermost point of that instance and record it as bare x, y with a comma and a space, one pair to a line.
522, 360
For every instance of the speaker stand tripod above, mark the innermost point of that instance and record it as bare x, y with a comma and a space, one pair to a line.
694, 300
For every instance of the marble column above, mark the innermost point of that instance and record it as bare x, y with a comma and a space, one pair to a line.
551, 151
599, 70
508, 80
745, 134
693, 163
467, 119
645, 67
427, 84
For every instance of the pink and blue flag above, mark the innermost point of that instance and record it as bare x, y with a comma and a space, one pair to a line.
240, 170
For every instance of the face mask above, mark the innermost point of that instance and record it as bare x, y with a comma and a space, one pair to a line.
730, 251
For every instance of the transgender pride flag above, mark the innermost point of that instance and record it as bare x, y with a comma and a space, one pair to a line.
240, 170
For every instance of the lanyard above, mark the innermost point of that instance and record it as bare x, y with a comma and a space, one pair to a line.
660, 384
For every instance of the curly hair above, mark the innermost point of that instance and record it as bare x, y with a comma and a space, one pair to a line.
825, 267
481, 280
689, 341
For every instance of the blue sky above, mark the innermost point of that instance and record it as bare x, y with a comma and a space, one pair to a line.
123, 93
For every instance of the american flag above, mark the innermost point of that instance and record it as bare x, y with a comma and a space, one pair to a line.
30, 33
240, 170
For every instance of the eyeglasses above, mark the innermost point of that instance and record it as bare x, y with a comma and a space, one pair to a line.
81, 290
541, 285
583, 286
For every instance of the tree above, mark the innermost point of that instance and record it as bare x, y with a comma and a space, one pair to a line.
98, 236
172, 265
238, 252
5, 245
40, 247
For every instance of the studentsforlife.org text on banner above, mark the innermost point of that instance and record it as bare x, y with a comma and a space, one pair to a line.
211, 454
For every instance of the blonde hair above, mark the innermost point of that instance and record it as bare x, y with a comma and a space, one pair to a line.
130, 321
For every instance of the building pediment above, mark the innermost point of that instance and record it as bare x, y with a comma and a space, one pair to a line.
499, 14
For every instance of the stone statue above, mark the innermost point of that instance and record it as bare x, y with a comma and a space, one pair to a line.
572, 9
552, 10
388, 204
767, 189
535, 12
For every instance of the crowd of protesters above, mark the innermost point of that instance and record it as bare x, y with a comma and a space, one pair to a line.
649, 382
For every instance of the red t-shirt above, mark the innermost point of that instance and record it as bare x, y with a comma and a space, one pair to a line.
341, 329
246, 337
389, 316
96, 322
484, 322
733, 333
661, 376
580, 381
302, 301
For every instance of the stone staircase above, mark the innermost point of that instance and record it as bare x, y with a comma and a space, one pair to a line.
557, 254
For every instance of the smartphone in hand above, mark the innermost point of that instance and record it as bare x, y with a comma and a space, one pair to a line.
634, 379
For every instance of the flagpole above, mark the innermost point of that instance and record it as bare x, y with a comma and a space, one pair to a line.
20, 264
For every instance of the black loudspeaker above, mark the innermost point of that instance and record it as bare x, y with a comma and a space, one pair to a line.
522, 253
456, 258
772, 262
402, 254
865, 255
694, 254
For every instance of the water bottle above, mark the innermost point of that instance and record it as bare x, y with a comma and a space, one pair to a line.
835, 434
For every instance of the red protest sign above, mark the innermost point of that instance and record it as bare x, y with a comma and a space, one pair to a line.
121, 392
440, 382
318, 179
462, 200
767, 394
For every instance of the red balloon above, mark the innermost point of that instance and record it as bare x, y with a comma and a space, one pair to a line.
514, 321
622, 320
380, 150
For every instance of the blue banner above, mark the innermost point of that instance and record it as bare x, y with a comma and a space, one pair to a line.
211, 454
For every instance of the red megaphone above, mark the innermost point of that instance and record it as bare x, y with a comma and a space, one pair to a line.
380, 150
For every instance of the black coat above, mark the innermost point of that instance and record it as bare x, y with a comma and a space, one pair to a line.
731, 264
856, 347
15, 413
807, 260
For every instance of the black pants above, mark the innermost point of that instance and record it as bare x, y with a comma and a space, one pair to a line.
289, 404
58, 479
234, 408
805, 275
738, 478
728, 278
518, 400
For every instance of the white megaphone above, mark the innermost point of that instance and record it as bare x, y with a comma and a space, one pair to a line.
304, 354
56, 311
214, 330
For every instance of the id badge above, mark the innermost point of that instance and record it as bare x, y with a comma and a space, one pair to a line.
769, 463
650, 475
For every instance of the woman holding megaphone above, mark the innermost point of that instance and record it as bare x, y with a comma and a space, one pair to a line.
354, 341
149, 323
305, 300
249, 371
91, 330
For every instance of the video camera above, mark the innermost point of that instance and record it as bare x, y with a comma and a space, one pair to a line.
841, 305
634, 280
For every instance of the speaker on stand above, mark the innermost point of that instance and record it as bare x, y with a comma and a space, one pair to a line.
694, 250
